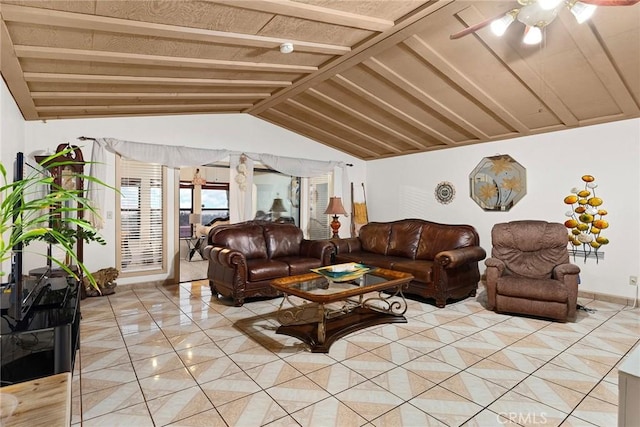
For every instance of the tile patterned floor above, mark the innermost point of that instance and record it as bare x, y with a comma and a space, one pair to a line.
176, 356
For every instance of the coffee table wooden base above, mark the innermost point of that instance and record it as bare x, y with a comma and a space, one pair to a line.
338, 327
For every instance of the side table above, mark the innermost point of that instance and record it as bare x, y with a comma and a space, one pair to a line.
194, 244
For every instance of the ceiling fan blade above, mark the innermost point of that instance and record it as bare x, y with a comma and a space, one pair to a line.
611, 2
478, 26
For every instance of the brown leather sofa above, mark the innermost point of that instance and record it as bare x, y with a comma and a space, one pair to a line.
244, 258
529, 271
443, 259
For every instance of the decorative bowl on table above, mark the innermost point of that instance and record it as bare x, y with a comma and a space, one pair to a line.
343, 272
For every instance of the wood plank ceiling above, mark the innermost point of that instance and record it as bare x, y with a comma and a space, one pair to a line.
373, 79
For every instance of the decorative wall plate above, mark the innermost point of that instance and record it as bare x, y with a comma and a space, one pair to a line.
445, 192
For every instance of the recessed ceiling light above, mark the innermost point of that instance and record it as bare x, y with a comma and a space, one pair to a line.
286, 47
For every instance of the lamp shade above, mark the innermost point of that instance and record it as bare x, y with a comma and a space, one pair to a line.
532, 35
277, 206
195, 218
335, 207
500, 25
582, 11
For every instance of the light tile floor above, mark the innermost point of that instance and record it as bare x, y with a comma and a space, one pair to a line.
174, 355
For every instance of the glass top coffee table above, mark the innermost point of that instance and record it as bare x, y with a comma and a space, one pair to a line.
319, 311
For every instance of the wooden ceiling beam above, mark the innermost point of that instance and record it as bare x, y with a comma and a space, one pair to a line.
13, 75
140, 107
173, 81
393, 110
63, 54
428, 54
311, 12
383, 41
590, 44
344, 126
284, 118
113, 114
410, 89
55, 18
520, 69
148, 95
364, 117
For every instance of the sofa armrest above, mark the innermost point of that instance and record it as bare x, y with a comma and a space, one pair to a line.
457, 257
227, 257
347, 245
321, 249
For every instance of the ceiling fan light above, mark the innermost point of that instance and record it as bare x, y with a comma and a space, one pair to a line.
500, 25
582, 11
532, 35
549, 4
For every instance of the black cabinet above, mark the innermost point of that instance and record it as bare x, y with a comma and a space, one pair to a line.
45, 340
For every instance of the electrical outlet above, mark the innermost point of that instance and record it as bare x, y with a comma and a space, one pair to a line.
633, 280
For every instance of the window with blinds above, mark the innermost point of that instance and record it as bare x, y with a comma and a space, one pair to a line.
318, 201
141, 220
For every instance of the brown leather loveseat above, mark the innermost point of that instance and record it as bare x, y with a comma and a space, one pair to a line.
443, 259
244, 258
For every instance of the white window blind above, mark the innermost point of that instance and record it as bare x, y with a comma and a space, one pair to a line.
318, 201
142, 223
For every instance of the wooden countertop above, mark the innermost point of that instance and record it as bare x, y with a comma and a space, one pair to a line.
41, 402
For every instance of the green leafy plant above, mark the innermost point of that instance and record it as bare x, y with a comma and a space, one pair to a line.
35, 208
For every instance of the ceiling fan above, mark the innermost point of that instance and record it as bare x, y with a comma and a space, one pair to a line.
537, 14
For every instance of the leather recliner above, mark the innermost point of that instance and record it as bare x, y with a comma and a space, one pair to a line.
529, 271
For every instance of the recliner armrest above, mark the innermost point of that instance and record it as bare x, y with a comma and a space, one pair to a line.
559, 271
457, 257
495, 263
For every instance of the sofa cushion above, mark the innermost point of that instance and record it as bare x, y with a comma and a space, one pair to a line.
300, 265
533, 289
282, 240
404, 238
265, 269
436, 238
374, 237
420, 269
248, 239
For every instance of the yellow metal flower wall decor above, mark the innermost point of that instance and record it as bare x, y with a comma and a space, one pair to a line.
586, 219
498, 183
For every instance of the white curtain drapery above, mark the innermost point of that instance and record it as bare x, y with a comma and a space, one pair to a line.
181, 156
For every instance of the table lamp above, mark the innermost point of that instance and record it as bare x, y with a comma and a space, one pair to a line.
335, 208
194, 220
277, 208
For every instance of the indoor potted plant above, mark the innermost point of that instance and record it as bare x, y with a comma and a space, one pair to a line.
35, 208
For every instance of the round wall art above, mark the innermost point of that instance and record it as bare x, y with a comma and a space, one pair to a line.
445, 192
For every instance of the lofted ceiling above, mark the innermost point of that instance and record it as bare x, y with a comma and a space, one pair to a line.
373, 79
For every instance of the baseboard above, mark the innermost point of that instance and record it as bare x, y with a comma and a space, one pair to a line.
608, 298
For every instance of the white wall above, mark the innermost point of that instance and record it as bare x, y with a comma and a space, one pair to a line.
399, 187
403, 187
234, 132
11, 141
